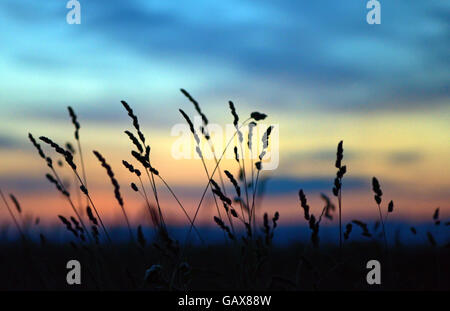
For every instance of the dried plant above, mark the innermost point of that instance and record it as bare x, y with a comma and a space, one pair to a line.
251, 247
337, 189
116, 186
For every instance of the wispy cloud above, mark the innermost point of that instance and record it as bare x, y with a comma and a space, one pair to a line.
7, 142
405, 157
291, 185
322, 53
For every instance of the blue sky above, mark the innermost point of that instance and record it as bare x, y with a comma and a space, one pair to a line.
321, 53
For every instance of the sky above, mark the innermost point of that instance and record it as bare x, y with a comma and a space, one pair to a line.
316, 68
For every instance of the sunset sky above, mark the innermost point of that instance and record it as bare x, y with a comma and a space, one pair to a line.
316, 68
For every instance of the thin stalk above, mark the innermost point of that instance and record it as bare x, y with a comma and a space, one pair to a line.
253, 209
215, 199
212, 175
215, 160
181, 206
243, 170
145, 196
12, 216
83, 170
253, 182
93, 206
71, 203
252, 164
75, 181
26, 245
382, 226
242, 208
207, 173
221, 182
214, 196
340, 219
155, 194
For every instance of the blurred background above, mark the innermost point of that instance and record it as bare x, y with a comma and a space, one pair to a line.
315, 67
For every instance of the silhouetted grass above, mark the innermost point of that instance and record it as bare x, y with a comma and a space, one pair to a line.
247, 259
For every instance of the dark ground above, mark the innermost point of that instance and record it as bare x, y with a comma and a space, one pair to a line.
122, 267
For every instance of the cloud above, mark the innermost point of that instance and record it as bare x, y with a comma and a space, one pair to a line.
327, 47
7, 142
405, 157
104, 111
323, 155
13, 143
322, 53
285, 184
25, 183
